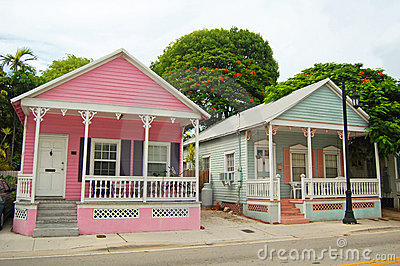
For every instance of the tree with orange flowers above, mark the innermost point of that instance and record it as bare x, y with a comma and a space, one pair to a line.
223, 71
380, 97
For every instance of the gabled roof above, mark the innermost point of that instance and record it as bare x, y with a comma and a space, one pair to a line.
265, 113
120, 52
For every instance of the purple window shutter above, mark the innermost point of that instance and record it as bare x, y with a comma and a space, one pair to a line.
80, 165
138, 157
125, 166
175, 157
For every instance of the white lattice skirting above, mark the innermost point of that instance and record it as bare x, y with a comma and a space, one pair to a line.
170, 212
20, 214
116, 213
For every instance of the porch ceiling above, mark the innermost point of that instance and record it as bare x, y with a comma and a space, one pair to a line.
321, 130
110, 111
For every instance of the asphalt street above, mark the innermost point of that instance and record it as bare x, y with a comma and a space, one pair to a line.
369, 247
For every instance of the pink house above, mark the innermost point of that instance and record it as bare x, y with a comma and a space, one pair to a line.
102, 153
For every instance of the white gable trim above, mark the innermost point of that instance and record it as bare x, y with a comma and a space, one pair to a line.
103, 60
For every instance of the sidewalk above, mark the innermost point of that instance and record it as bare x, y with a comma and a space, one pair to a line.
220, 228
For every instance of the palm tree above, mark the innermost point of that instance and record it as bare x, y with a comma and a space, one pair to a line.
17, 61
17, 65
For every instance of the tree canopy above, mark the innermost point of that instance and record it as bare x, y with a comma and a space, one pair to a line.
62, 66
380, 97
223, 71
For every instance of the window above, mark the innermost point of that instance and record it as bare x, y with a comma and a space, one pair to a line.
331, 165
105, 157
298, 165
206, 162
229, 161
158, 159
331, 161
298, 155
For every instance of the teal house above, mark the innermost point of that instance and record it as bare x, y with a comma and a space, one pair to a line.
283, 162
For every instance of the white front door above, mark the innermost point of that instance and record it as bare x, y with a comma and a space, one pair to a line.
51, 172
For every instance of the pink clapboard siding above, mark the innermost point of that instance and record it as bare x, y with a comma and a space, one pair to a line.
100, 128
117, 82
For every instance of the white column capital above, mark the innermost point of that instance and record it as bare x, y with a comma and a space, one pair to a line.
195, 122
87, 116
147, 120
64, 112
39, 112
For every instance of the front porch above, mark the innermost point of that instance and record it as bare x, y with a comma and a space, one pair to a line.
321, 199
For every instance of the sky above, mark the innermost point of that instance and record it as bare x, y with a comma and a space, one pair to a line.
300, 33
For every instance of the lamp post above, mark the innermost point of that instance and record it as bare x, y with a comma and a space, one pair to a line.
355, 98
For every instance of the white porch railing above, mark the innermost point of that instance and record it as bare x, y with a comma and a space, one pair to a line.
336, 188
260, 189
24, 187
130, 188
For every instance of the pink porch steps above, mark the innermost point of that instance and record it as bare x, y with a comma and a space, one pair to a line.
290, 214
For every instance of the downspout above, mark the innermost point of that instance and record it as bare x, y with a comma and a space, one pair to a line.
240, 161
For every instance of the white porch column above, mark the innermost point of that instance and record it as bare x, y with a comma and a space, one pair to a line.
378, 168
271, 163
195, 123
147, 120
23, 145
309, 153
38, 113
181, 157
87, 116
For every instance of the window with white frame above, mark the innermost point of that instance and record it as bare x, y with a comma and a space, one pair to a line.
331, 161
206, 162
105, 157
298, 158
230, 162
158, 160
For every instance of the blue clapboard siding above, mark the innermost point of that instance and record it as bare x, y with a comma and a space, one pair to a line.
216, 149
323, 106
283, 140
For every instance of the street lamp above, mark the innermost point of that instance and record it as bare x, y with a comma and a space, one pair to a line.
355, 98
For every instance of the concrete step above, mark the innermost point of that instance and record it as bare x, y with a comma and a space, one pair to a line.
53, 205
55, 212
56, 220
54, 231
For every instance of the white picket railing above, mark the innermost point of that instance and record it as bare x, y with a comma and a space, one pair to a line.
24, 187
260, 188
131, 188
313, 188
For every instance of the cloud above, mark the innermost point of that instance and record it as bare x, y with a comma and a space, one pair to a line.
300, 33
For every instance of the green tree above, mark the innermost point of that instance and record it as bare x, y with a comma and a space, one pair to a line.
223, 71
380, 97
63, 66
16, 77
